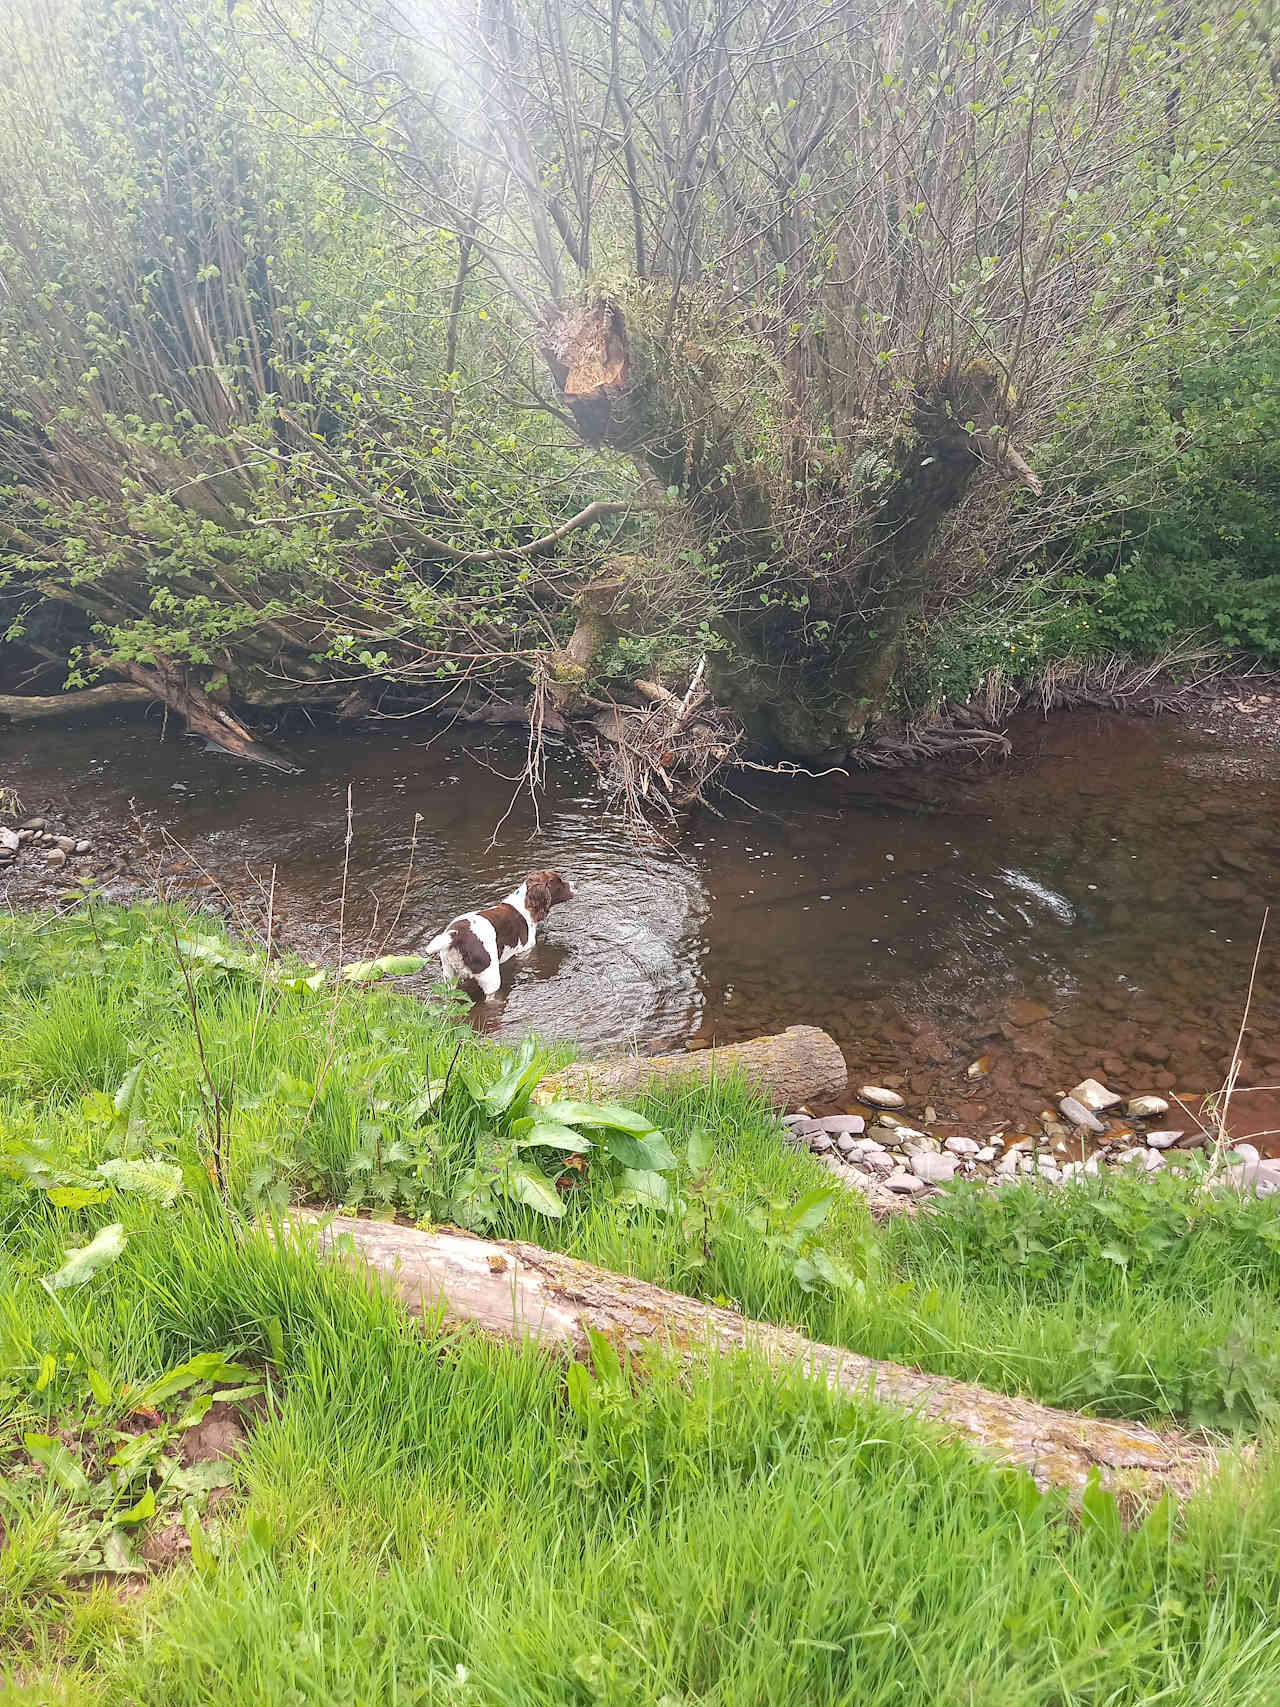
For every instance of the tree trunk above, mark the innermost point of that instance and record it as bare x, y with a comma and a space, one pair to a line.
203, 715
801, 1064
515, 1292
30, 708
847, 533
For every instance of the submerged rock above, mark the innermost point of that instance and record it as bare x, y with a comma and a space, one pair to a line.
1079, 1115
1094, 1096
879, 1097
1145, 1108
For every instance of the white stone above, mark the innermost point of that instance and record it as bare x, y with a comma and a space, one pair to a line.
1145, 1108
880, 1097
961, 1146
1163, 1140
934, 1170
1245, 1153
1094, 1096
907, 1184
1079, 1115
987, 1153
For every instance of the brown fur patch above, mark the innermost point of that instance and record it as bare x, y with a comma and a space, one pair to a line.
544, 890
508, 925
475, 956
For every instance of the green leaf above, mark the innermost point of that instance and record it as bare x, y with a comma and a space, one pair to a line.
118, 1556
63, 1467
651, 1152
819, 1267
48, 1369
75, 1196
609, 1114
159, 1182
84, 1261
202, 1555
203, 1477
700, 1150
520, 1073
529, 1133
208, 1366
533, 1190
579, 1385
644, 1185
145, 1508
127, 1098
811, 1211
99, 1386
386, 966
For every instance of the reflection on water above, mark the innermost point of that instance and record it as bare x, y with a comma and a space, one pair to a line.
1115, 872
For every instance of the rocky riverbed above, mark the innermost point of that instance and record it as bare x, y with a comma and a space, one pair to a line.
896, 1161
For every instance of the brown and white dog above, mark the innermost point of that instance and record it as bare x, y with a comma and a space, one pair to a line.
474, 945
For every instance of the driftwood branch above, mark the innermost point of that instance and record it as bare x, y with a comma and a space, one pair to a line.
32, 708
801, 1064
514, 1291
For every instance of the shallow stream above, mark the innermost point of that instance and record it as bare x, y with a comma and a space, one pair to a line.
1091, 906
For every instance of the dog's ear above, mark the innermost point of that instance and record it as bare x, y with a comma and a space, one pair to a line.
537, 895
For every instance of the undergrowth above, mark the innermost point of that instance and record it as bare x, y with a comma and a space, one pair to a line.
442, 1520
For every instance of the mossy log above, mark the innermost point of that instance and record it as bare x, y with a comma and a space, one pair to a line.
517, 1292
33, 708
802, 1064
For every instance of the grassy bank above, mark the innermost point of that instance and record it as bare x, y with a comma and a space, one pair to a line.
451, 1522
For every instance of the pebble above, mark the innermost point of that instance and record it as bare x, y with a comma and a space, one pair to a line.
837, 1124
1094, 1096
1145, 1108
1079, 1115
83, 847
1150, 1159
1024, 1012
1163, 1140
32, 824
10, 840
987, 1153
910, 1134
846, 1146
934, 1170
55, 856
879, 1097
879, 1161
962, 1147
821, 1142
906, 1184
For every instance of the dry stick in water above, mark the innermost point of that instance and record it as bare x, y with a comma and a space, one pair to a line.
1222, 1110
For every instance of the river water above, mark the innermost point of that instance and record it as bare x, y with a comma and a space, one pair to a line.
1090, 906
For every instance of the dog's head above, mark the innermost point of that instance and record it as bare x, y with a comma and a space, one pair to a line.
544, 890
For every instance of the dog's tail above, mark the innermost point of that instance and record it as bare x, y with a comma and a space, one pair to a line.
438, 944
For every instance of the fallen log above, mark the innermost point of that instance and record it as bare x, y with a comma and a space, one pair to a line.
203, 715
30, 708
517, 1292
799, 1065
